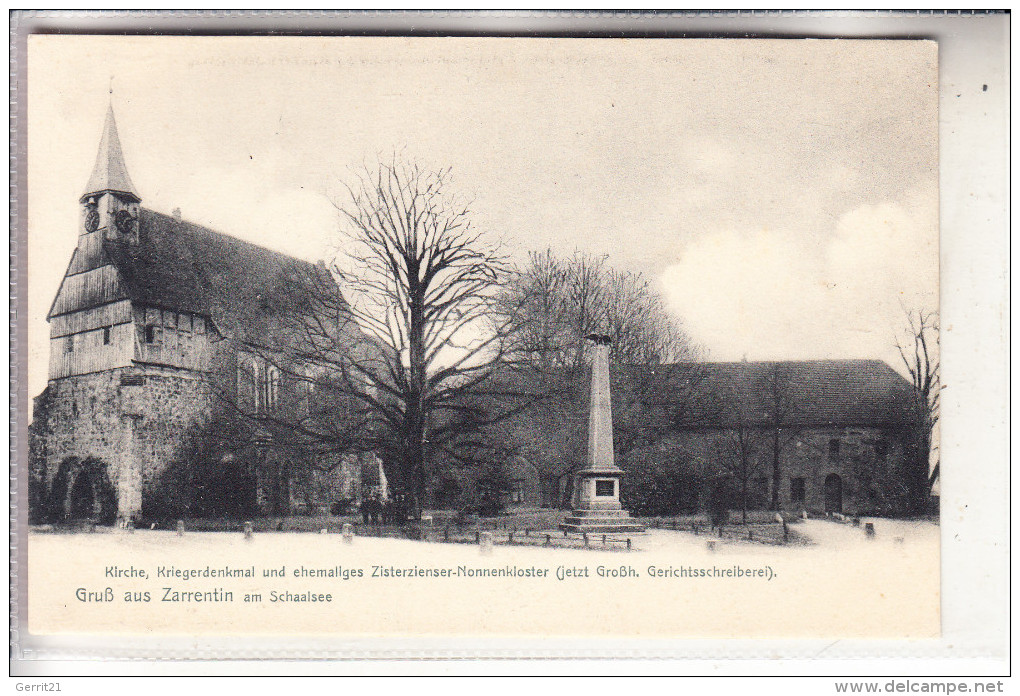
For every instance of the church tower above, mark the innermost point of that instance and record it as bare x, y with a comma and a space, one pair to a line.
110, 203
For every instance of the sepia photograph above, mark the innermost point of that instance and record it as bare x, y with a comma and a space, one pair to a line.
387, 337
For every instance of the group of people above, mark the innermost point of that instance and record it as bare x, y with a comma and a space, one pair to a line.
376, 510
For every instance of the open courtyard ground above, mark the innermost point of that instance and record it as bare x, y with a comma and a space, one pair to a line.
842, 584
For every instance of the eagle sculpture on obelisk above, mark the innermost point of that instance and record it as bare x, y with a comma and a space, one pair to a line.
596, 497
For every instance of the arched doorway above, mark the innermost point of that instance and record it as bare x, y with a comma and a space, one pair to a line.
833, 493
82, 491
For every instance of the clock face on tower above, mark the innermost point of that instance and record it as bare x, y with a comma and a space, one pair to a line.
124, 221
91, 220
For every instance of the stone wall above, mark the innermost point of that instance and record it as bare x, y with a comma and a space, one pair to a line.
868, 462
131, 420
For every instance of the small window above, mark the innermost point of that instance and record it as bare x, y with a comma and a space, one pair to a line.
106, 336
797, 490
881, 451
833, 448
69, 344
152, 334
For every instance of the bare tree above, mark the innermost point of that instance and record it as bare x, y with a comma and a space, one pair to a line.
738, 452
780, 410
920, 355
423, 288
552, 304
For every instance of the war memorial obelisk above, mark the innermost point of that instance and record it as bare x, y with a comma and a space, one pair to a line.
596, 498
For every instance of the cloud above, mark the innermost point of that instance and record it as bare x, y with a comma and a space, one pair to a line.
771, 294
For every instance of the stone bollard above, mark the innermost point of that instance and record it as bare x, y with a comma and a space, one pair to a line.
180, 527
628, 544
548, 539
485, 543
869, 530
249, 531
585, 535
786, 532
347, 531
710, 545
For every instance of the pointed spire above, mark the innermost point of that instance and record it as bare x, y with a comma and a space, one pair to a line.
110, 172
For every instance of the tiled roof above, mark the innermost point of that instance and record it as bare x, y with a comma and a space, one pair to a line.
247, 290
812, 392
816, 393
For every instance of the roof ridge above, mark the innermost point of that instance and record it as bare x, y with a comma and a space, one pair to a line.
210, 230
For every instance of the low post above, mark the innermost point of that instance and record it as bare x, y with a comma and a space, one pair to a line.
348, 533
485, 543
585, 535
180, 527
786, 532
710, 545
249, 530
548, 540
628, 544
869, 530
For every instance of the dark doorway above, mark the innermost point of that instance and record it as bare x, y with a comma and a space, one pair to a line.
833, 493
82, 492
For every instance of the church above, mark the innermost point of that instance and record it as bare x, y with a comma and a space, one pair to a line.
159, 337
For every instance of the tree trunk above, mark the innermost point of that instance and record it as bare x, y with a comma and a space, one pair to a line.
776, 474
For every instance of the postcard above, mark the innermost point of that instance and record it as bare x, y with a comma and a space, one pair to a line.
366, 338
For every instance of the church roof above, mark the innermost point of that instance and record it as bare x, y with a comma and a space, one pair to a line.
246, 289
110, 173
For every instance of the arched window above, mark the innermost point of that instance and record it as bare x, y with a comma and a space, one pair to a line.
271, 387
247, 385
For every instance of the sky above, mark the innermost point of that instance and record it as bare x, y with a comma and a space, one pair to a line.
782, 195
